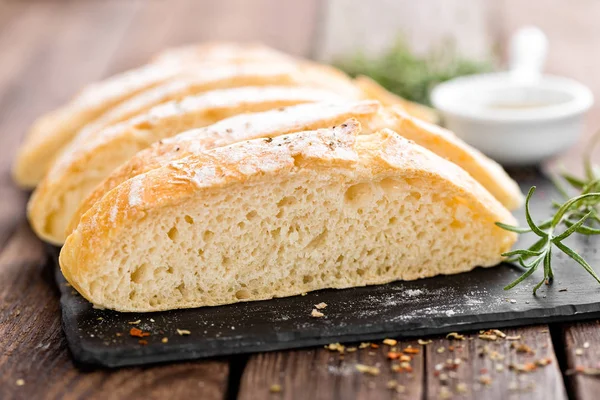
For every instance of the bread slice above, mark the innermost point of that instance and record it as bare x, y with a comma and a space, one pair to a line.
243, 127
447, 145
88, 160
228, 76
54, 130
279, 217
314, 116
50, 133
372, 90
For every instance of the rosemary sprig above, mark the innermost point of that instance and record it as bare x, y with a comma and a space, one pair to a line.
578, 214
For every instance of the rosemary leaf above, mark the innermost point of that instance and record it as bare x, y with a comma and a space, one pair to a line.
520, 279
534, 228
571, 253
516, 229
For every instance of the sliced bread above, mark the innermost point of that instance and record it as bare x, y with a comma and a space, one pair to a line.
51, 132
279, 217
88, 160
313, 116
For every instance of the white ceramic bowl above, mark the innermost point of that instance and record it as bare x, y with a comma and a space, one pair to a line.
514, 122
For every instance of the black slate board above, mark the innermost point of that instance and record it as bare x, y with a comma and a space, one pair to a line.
437, 305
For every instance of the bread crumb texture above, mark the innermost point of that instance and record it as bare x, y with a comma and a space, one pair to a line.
281, 217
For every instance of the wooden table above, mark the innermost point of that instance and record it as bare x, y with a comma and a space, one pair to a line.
48, 49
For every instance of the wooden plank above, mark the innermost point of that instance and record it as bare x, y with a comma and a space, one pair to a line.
33, 349
63, 45
47, 58
582, 352
325, 374
476, 368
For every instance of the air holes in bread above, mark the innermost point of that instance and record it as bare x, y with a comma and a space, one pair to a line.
359, 195
173, 233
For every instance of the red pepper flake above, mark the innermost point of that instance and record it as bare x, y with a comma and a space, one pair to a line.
411, 350
374, 346
143, 342
393, 355
135, 332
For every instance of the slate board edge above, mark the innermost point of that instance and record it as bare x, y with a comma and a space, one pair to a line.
90, 357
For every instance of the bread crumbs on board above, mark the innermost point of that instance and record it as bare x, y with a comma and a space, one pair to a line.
320, 306
316, 313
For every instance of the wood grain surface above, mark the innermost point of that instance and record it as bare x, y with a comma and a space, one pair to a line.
49, 49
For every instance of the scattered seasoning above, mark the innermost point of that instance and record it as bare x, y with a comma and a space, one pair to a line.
392, 384
499, 367
364, 345
320, 306
351, 349
335, 347
165, 340
578, 352
366, 369
143, 342
527, 367
445, 393
491, 338
499, 333
182, 332
440, 350
513, 301
374, 346
461, 387
586, 345
392, 355
518, 337
542, 362
118, 334
20, 382
584, 371
410, 350
485, 380
522, 348
390, 342
316, 313
135, 332
544, 331
455, 335
151, 320
424, 342
275, 388
99, 319
134, 322
303, 294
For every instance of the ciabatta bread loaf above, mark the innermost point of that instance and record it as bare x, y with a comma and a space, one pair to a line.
441, 141
89, 159
283, 216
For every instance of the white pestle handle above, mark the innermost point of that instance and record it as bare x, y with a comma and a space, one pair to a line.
527, 54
